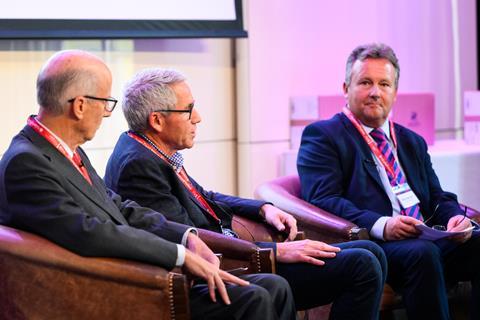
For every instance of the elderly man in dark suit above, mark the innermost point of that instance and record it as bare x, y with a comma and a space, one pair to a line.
147, 167
49, 187
363, 167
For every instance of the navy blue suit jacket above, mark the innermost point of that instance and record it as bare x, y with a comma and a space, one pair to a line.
137, 173
338, 173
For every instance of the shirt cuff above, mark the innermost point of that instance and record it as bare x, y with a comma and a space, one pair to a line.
180, 255
378, 227
185, 235
181, 247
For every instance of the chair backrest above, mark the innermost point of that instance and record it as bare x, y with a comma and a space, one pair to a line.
318, 224
290, 184
41, 280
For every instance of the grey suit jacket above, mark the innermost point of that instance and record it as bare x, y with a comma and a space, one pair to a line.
42, 192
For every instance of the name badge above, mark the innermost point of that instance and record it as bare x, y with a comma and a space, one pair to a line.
405, 195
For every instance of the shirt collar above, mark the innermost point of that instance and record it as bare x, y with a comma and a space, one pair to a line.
385, 127
175, 160
63, 144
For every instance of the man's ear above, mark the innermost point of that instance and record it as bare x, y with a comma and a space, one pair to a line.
78, 107
345, 90
156, 121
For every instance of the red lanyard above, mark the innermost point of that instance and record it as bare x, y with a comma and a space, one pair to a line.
75, 160
182, 175
371, 143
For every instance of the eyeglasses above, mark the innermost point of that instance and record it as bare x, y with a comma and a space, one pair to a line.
189, 110
439, 226
110, 103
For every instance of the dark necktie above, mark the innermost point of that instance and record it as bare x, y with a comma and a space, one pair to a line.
384, 146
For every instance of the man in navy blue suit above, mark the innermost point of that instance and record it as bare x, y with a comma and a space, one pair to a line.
147, 167
363, 167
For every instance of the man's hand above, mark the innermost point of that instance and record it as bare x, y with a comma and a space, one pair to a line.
459, 223
281, 220
308, 251
197, 246
400, 227
214, 277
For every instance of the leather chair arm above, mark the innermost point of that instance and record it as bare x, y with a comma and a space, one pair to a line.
238, 253
472, 213
41, 280
317, 224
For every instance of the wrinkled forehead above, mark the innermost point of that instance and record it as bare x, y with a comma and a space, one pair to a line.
379, 67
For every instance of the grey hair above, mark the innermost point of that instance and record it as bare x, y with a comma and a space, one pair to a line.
372, 51
149, 90
53, 87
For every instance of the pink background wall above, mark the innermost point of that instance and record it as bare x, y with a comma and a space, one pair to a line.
300, 47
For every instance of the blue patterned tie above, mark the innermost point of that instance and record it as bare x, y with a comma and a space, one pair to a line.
381, 139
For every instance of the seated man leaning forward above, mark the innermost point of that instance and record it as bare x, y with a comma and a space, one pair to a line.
147, 167
48, 186
363, 167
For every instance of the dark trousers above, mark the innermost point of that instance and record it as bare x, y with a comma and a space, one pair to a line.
421, 270
353, 281
267, 297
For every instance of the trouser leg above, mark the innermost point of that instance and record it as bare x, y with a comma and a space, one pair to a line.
382, 260
353, 281
416, 270
267, 297
462, 263
280, 292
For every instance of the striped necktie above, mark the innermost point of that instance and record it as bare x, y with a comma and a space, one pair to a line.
384, 146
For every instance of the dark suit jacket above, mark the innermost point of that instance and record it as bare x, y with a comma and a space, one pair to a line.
136, 173
42, 192
338, 173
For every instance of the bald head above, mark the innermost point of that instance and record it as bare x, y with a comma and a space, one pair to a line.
68, 74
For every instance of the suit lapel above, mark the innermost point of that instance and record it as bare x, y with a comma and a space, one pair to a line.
195, 200
66, 168
192, 197
98, 186
161, 161
366, 155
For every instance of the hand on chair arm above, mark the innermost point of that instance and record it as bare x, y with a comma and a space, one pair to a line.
197, 246
279, 219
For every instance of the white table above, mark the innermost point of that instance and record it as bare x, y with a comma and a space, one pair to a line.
457, 166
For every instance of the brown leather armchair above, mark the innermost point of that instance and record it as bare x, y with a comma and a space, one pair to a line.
41, 280
318, 224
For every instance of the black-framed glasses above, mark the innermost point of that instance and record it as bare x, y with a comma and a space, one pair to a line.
110, 103
189, 110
